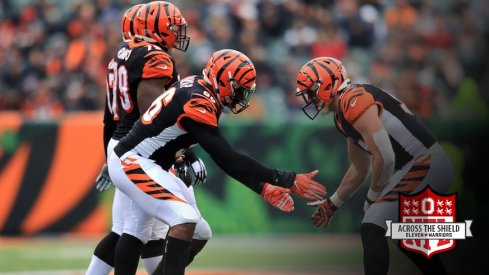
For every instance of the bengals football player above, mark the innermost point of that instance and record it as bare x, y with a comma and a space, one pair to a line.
383, 138
185, 115
140, 69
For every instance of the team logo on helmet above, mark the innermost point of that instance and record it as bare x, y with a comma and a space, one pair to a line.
318, 82
162, 23
232, 75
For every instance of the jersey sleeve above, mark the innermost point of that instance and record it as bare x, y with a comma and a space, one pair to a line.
243, 168
157, 64
354, 103
200, 109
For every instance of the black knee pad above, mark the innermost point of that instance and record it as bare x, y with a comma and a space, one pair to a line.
105, 249
153, 248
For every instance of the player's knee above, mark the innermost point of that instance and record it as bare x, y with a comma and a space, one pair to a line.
153, 248
202, 230
182, 231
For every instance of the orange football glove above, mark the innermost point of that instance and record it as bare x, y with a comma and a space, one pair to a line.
278, 197
307, 188
324, 212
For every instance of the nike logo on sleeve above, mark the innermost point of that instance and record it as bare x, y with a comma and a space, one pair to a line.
352, 104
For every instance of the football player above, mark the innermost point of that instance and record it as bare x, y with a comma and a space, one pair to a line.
383, 138
185, 115
140, 69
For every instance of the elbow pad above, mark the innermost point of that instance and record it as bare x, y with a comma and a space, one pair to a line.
283, 178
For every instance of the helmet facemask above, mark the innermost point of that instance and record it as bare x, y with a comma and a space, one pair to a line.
312, 104
326, 84
240, 96
182, 39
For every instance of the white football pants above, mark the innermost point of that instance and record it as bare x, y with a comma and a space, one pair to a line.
128, 217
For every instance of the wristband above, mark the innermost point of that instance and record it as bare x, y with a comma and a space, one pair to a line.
283, 178
372, 195
336, 200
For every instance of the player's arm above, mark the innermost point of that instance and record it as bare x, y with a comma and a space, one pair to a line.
157, 73
247, 170
352, 180
243, 168
109, 127
148, 90
356, 173
377, 139
103, 182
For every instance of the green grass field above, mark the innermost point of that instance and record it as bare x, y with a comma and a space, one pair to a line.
287, 254
236, 255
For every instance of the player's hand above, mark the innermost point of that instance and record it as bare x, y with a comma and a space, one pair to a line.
324, 212
307, 188
200, 172
182, 170
193, 173
103, 180
278, 197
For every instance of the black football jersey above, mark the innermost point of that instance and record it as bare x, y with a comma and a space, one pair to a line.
133, 61
408, 136
157, 135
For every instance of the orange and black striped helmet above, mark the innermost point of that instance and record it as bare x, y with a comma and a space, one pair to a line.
127, 23
318, 82
162, 23
232, 75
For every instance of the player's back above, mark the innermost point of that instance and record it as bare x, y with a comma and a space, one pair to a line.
408, 135
134, 61
158, 134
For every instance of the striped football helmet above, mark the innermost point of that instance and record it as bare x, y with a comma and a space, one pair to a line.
318, 82
162, 23
232, 75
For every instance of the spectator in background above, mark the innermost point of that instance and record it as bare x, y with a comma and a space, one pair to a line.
401, 16
432, 45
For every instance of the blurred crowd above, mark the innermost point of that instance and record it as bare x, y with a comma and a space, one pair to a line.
432, 54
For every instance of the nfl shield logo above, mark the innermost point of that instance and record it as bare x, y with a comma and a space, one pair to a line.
428, 207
